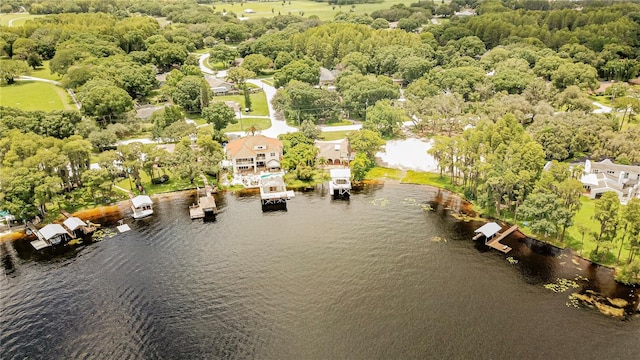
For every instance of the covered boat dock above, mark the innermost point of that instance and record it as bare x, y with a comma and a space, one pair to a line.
492, 235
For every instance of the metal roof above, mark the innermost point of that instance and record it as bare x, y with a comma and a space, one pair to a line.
489, 229
52, 230
73, 223
340, 173
141, 200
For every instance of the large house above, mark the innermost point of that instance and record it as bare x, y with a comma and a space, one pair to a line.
254, 153
335, 153
603, 176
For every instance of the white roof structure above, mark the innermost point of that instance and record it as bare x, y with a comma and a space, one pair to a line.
489, 229
141, 200
52, 230
340, 173
73, 223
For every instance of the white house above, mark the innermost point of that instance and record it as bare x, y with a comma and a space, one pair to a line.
603, 176
253, 153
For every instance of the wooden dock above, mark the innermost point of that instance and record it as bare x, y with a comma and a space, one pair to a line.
206, 205
495, 241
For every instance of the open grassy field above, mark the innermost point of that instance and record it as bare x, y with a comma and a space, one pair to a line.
173, 184
322, 10
258, 103
333, 135
245, 123
16, 19
44, 72
35, 95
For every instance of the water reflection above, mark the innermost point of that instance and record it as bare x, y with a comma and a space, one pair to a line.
326, 279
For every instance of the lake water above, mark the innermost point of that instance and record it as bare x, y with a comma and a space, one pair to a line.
379, 276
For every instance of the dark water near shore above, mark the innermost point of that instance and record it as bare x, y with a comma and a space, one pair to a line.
326, 279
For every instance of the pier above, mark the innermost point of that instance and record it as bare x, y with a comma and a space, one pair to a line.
492, 236
340, 184
206, 205
273, 192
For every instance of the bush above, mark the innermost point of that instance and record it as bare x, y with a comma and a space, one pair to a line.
160, 180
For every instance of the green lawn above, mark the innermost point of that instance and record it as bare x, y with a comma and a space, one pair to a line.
259, 123
384, 173
339, 123
258, 103
306, 7
333, 135
427, 178
35, 95
174, 184
18, 19
44, 72
573, 238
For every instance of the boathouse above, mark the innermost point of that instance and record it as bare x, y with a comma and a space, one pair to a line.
492, 236
340, 184
50, 235
273, 192
142, 206
206, 205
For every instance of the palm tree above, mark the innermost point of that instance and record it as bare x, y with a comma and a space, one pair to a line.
322, 163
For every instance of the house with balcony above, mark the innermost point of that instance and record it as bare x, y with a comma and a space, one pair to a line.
254, 153
600, 177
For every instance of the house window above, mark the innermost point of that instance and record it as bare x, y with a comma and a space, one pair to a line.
611, 172
272, 154
595, 171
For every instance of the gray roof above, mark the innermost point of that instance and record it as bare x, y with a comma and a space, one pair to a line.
607, 164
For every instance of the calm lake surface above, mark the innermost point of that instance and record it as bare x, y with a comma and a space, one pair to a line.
363, 279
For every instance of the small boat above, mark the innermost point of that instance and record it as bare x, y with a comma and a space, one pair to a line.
142, 206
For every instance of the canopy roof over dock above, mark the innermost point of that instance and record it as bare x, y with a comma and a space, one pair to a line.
141, 200
73, 223
340, 173
51, 230
489, 229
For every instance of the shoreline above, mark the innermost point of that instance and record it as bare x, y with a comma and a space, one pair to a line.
456, 206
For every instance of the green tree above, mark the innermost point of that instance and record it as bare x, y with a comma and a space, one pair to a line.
385, 118
219, 115
359, 166
256, 63
297, 70
606, 214
224, 54
239, 76
187, 93
630, 218
11, 69
367, 142
104, 100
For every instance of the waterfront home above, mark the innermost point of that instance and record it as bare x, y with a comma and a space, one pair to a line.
338, 153
340, 184
142, 206
273, 192
603, 176
254, 153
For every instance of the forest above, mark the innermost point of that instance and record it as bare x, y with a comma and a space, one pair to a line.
501, 92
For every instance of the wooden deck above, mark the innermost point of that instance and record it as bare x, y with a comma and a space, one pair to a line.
206, 205
495, 241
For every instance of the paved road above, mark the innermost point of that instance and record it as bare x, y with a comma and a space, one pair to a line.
602, 109
277, 126
32, 78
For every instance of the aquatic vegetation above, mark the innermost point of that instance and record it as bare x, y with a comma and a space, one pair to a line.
75, 242
611, 307
561, 285
380, 202
511, 260
426, 207
103, 234
409, 201
438, 239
